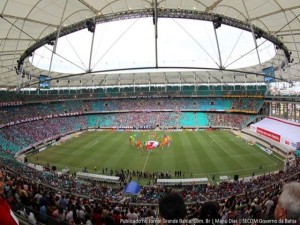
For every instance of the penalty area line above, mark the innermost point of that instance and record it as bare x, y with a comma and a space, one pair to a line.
146, 162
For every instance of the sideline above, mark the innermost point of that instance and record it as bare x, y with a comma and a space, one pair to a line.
146, 161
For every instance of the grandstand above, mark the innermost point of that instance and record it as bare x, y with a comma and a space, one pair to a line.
228, 101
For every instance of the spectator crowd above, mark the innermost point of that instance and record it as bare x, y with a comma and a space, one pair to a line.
63, 199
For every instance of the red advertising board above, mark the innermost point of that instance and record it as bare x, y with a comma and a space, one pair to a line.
268, 134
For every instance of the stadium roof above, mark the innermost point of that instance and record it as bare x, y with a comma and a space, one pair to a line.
27, 25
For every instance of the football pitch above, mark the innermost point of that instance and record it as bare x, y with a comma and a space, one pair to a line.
197, 154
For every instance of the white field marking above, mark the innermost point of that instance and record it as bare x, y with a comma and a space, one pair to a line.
92, 143
231, 171
146, 162
64, 153
258, 153
220, 146
212, 143
77, 151
61, 165
264, 155
209, 177
278, 157
238, 156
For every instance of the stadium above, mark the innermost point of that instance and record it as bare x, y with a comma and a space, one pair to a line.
108, 106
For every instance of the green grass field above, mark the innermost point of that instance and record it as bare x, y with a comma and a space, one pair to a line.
197, 154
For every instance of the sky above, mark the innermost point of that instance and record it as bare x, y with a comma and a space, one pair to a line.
131, 43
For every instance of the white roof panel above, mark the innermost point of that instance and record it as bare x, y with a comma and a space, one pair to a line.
23, 23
